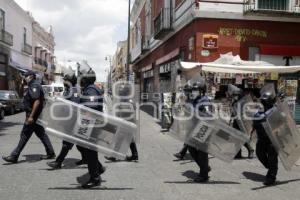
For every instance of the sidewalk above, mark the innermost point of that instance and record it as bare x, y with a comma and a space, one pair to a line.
155, 177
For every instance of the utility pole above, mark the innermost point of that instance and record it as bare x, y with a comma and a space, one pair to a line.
128, 45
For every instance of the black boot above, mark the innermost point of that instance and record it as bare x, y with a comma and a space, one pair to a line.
238, 155
132, 158
10, 159
201, 179
269, 181
54, 164
102, 170
134, 153
93, 182
179, 156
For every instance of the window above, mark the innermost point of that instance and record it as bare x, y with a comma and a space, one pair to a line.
24, 35
2, 19
273, 5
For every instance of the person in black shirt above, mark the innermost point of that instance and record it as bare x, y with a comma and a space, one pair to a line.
91, 97
265, 150
237, 94
33, 105
71, 94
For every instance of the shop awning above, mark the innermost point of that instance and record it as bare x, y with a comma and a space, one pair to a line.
283, 50
18, 67
233, 64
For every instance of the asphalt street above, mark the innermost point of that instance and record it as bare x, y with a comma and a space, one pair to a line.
157, 175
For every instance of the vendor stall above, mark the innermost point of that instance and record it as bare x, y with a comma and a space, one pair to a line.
248, 75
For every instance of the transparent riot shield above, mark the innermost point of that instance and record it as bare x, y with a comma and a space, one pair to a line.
86, 127
124, 104
211, 136
284, 134
243, 114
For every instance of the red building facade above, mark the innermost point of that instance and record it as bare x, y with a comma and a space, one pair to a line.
204, 38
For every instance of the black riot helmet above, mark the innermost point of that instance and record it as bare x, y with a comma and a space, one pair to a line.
187, 89
234, 92
70, 79
268, 96
200, 85
86, 75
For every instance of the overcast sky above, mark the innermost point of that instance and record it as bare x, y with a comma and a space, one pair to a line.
83, 29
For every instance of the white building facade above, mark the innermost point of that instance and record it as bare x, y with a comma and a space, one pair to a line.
43, 52
15, 44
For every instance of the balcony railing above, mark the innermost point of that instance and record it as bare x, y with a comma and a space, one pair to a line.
6, 37
53, 67
275, 6
27, 49
146, 45
162, 23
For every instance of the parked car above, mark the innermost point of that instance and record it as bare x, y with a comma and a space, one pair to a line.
53, 90
11, 101
2, 111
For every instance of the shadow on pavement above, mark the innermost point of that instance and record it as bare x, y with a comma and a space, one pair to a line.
276, 184
28, 158
33, 158
254, 176
120, 161
83, 178
19, 162
70, 163
5, 125
208, 183
96, 188
192, 175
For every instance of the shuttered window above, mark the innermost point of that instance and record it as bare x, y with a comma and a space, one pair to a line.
273, 4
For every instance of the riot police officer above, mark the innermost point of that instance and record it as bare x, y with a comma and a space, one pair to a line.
237, 94
71, 94
200, 157
33, 105
92, 97
187, 89
123, 97
265, 151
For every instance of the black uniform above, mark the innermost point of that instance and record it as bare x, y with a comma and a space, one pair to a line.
70, 94
32, 93
200, 157
265, 151
92, 94
247, 145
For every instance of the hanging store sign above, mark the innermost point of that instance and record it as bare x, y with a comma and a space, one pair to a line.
148, 74
166, 68
210, 41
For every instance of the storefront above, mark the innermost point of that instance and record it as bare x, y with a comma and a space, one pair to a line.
148, 77
167, 76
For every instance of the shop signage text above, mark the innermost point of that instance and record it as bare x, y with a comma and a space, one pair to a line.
242, 34
210, 41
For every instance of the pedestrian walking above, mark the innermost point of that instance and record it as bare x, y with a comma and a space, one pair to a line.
33, 106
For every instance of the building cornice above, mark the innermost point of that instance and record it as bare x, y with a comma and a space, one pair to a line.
20, 10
